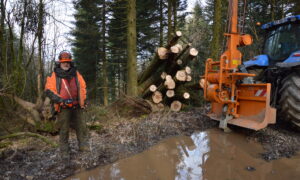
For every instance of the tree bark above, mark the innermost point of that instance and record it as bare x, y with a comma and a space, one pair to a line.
40, 60
174, 6
131, 49
28, 106
3, 61
170, 25
273, 10
155, 63
104, 70
215, 44
43, 138
161, 21
20, 52
154, 79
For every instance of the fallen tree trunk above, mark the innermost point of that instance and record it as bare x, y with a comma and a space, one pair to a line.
28, 106
170, 93
157, 97
176, 106
128, 106
174, 39
181, 75
186, 95
169, 82
158, 59
180, 60
162, 53
188, 70
177, 48
152, 88
154, 79
189, 78
43, 138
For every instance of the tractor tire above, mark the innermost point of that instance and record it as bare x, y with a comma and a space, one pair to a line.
290, 98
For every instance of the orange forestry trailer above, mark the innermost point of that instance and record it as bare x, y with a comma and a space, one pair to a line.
235, 98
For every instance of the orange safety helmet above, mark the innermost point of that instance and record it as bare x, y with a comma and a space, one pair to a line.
65, 56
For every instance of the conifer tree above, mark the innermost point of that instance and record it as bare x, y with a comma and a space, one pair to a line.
131, 49
86, 44
215, 43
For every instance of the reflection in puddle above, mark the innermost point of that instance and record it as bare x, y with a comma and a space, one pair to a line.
193, 157
210, 155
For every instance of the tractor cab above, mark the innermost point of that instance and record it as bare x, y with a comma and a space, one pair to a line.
282, 43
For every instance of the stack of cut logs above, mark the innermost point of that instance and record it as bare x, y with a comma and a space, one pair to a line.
165, 78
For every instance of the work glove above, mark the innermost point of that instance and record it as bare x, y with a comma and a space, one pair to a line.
84, 106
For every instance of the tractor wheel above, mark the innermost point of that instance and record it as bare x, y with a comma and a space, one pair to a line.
289, 98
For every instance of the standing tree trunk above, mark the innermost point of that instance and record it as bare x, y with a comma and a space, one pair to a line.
170, 29
161, 21
273, 10
3, 61
215, 44
174, 6
40, 60
20, 52
131, 49
105, 77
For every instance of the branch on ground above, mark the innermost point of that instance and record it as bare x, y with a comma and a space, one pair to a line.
43, 138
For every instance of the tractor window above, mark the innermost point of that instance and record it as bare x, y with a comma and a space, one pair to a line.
282, 41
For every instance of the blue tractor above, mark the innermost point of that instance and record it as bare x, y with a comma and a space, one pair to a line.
280, 65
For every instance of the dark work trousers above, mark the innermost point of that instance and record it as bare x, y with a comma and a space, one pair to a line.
71, 118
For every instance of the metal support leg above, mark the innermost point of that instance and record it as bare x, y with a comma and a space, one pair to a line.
223, 123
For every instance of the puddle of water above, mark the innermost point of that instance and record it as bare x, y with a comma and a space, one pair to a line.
210, 155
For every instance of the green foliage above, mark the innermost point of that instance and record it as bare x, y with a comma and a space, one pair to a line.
95, 113
95, 127
197, 30
295, 8
47, 127
86, 46
5, 144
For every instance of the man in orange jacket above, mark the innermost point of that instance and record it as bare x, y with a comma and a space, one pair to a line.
67, 90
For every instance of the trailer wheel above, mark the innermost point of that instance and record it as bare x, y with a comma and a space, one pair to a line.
290, 98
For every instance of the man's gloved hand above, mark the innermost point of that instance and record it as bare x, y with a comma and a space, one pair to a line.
68, 102
84, 106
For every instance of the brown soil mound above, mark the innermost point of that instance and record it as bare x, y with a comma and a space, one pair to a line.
129, 107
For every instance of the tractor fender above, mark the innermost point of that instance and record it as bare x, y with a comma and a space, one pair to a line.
292, 61
260, 60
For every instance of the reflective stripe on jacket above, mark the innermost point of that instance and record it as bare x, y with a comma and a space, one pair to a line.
53, 87
69, 90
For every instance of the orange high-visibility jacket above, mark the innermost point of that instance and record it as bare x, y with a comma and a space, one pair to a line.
52, 89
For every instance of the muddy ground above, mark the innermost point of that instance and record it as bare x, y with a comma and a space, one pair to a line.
127, 137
